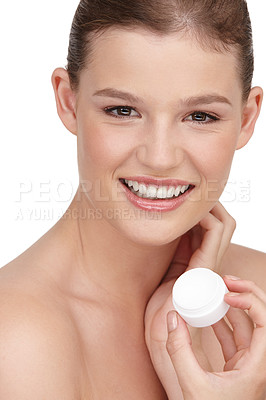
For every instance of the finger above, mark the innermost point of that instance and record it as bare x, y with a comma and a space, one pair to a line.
183, 250
181, 354
243, 327
249, 296
239, 285
249, 301
256, 354
196, 235
257, 311
229, 227
206, 255
180, 260
226, 338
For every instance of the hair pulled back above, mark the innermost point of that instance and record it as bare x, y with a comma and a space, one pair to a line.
216, 24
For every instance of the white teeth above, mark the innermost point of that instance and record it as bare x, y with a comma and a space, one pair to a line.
135, 186
171, 191
162, 192
142, 188
178, 190
183, 189
153, 192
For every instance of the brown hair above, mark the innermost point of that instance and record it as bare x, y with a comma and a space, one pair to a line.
217, 24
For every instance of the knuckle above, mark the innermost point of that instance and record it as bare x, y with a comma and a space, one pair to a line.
251, 285
227, 220
173, 345
170, 346
219, 225
232, 223
249, 297
229, 223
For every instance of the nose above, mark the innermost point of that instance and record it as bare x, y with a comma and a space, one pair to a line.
160, 149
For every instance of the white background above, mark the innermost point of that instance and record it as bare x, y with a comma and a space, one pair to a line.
38, 155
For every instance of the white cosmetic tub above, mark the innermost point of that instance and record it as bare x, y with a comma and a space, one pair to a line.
198, 297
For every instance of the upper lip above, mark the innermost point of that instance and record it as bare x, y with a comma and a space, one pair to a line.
157, 181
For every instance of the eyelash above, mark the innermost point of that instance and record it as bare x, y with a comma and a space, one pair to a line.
108, 111
212, 118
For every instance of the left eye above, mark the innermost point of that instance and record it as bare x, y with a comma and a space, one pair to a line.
200, 116
123, 111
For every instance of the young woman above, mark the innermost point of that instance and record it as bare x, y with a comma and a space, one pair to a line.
159, 96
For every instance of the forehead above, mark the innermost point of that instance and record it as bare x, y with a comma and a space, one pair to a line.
154, 65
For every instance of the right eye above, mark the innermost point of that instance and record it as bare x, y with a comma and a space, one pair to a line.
122, 112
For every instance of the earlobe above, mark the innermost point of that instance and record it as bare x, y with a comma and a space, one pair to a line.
65, 99
251, 112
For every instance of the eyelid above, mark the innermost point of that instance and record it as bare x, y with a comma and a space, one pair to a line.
212, 117
108, 111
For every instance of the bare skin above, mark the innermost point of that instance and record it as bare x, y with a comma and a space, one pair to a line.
77, 352
236, 367
77, 299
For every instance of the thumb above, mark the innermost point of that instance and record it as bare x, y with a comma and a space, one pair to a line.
192, 378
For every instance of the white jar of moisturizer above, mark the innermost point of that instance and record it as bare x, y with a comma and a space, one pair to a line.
198, 296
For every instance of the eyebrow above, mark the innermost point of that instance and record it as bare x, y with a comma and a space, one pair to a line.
188, 102
118, 94
205, 99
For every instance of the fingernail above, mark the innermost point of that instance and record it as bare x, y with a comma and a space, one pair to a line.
232, 294
171, 321
233, 278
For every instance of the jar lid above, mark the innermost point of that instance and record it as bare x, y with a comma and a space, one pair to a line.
196, 289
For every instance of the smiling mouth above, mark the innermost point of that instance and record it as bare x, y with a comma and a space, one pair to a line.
155, 192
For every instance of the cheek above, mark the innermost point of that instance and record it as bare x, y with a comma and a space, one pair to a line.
101, 150
216, 161
213, 160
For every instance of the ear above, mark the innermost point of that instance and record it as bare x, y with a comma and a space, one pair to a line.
250, 115
65, 99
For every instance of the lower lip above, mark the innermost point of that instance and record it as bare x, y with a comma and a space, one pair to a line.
155, 205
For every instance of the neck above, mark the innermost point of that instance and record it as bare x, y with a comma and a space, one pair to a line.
108, 265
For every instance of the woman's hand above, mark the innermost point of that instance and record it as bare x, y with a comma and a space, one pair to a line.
202, 246
244, 349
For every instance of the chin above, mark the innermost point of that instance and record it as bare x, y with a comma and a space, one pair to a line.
150, 233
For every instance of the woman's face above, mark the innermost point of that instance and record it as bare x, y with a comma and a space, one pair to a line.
156, 107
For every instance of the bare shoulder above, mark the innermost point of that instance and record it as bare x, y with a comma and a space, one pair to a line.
246, 263
38, 346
